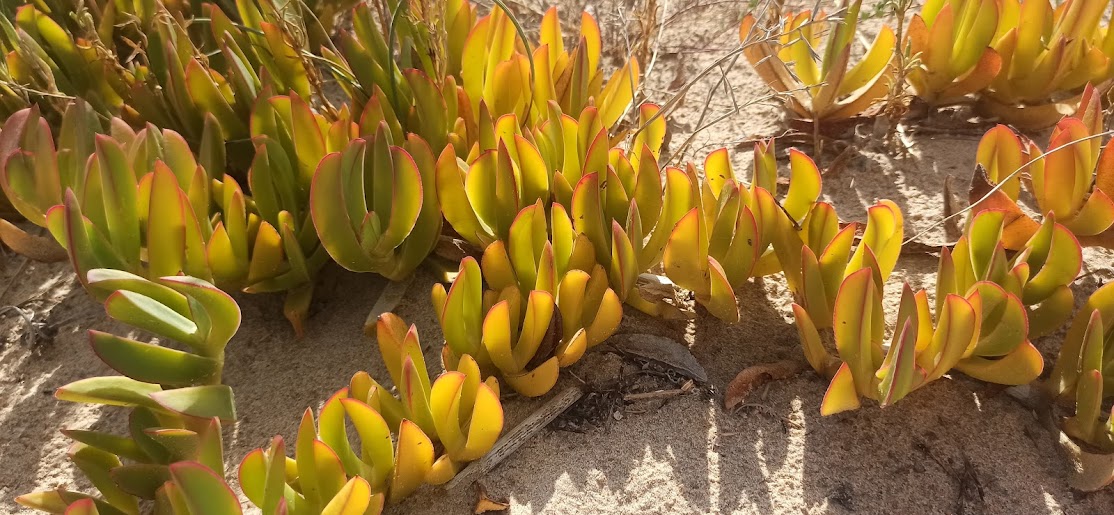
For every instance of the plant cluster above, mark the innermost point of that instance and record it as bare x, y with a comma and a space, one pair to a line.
145, 203
172, 453
1084, 374
177, 151
423, 434
979, 326
819, 80
726, 234
1023, 62
1071, 182
545, 303
149, 62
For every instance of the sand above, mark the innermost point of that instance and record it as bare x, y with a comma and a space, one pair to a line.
956, 446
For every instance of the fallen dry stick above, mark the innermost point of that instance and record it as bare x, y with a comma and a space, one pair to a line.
514, 439
660, 394
758, 375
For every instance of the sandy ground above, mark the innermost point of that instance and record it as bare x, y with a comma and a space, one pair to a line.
956, 446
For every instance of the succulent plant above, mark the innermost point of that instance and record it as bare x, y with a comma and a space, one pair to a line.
511, 76
1001, 152
146, 192
408, 90
436, 113
145, 64
172, 453
819, 257
1084, 372
317, 483
1071, 182
387, 40
619, 202
723, 239
546, 302
52, 58
528, 261
46, 62
507, 173
32, 186
436, 427
821, 85
1039, 274
364, 63
280, 250
144, 203
329, 12
952, 40
919, 352
190, 488
1048, 54
374, 205
981, 328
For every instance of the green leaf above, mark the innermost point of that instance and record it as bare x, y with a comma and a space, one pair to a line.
330, 216
329, 471
263, 476
377, 452
427, 227
588, 217
97, 465
453, 197
309, 143
684, 262
332, 430
119, 445
353, 499
406, 200
493, 191
152, 363
141, 420
211, 154
199, 401
1004, 323
169, 499
1056, 258
87, 248
209, 99
1022, 366
140, 479
181, 444
204, 491
414, 453
253, 477
853, 319
804, 185
289, 69
166, 225
220, 310
109, 390
49, 501
143, 312
462, 316
897, 371
210, 451
105, 281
